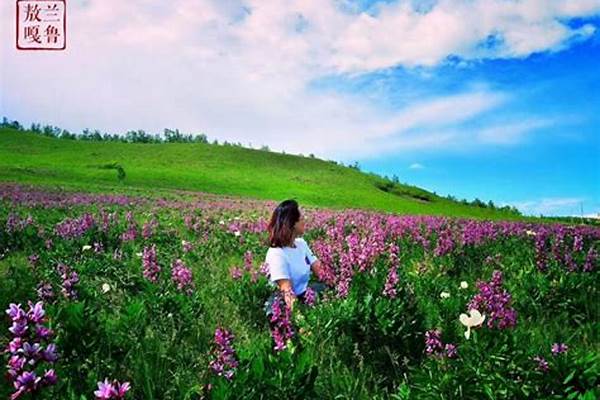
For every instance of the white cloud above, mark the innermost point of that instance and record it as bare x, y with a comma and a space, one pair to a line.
510, 133
416, 166
239, 70
549, 206
445, 110
592, 215
399, 34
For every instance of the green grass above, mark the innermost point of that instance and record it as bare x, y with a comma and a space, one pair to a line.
27, 157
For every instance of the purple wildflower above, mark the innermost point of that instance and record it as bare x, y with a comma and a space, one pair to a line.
131, 232
111, 390
236, 273
26, 382
149, 228
16, 313
264, 269
451, 351
43, 332
248, 259
27, 351
182, 276
389, 289
150, 266
49, 377
281, 324
559, 348
577, 243
105, 390
70, 278
50, 353
591, 260
33, 259
434, 345
445, 243
14, 345
224, 359
310, 296
433, 342
75, 228
31, 351
18, 328
98, 247
44, 291
493, 301
187, 246
36, 312
542, 363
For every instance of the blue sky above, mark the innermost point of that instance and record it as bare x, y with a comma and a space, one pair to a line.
552, 169
491, 99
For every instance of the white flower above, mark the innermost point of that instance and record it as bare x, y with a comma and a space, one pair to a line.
444, 295
183, 242
138, 254
236, 217
237, 233
222, 222
473, 319
86, 247
530, 233
464, 285
105, 287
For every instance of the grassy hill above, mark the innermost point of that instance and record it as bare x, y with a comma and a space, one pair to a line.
26, 157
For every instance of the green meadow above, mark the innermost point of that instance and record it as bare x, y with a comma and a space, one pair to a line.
154, 168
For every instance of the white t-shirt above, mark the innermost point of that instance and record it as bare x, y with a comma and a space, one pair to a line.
291, 263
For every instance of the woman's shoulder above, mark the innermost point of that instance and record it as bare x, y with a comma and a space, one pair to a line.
301, 242
300, 239
275, 255
274, 251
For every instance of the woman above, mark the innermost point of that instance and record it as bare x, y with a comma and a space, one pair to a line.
289, 259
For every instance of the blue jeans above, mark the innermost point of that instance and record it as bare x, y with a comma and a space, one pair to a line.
318, 287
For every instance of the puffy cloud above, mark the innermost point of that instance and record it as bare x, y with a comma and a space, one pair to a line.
549, 206
241, 70
401, 35
511, 133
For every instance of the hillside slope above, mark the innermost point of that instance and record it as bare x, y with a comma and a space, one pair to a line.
31, 158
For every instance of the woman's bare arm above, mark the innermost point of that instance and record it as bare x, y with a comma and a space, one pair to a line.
285, 285
317, 268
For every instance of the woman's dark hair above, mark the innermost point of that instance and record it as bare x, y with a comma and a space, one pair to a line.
281, 226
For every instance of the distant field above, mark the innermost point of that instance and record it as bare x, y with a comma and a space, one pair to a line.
30, 158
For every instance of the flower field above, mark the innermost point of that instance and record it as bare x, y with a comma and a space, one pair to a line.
136, 297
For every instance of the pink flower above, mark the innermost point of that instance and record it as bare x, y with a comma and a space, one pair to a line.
150, 266
182, 276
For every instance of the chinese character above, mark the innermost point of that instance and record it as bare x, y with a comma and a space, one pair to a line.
32, 13
52, 34
41, 24
33, 33
52, 11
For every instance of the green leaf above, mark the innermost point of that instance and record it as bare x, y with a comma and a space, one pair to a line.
258, 367
589, 395
488, 390
570, 377
74, 316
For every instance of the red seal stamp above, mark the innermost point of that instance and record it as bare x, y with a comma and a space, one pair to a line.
41, 24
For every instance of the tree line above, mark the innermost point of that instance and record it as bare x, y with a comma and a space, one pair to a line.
175, 136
